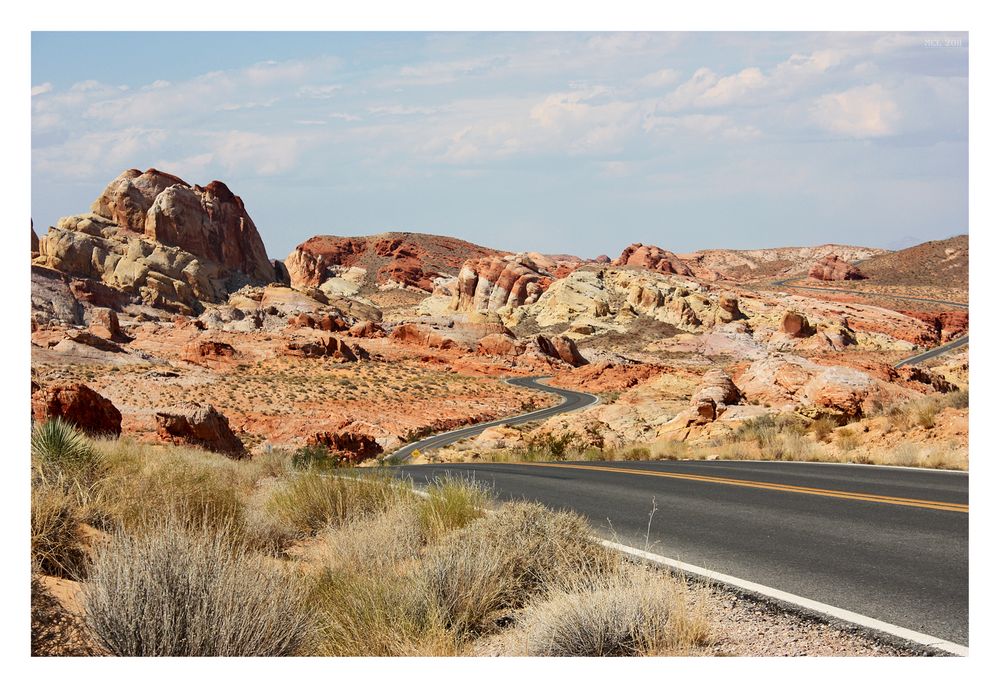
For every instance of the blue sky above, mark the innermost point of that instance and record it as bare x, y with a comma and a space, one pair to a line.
557, 142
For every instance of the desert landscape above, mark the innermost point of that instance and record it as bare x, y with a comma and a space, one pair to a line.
186, 383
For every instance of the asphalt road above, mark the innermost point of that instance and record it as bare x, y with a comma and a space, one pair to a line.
889, 543
571, 402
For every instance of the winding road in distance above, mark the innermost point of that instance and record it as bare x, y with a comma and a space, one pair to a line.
572, 401
912, 360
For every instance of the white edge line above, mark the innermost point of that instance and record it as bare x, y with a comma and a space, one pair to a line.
850, 617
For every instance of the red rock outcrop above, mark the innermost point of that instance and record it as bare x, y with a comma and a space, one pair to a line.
489, 284
421, 335
607, 376
405, 258
947, 324
653, 258
499, 345
104, 323
327, 322
562, 348
366, 329
795, 325
201, 426
351, 447
208, 351
327, 347
79, 405
831, 268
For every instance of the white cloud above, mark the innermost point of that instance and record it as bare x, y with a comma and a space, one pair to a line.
861, 112
265, 155
40, 89
321, 92
658, 79
345, 116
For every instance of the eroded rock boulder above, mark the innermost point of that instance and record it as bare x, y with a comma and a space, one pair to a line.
832, 268
499, 345
201, 426
653, 258
77, 404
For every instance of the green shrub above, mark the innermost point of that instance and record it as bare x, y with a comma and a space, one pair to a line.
315, 457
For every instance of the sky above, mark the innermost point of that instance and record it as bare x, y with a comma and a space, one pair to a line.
577, 143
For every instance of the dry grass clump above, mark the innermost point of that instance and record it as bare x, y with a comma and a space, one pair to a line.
310, 501
498, 562
636, 612
173, 591
361, 614
452, 502
376, 545
56, 547
822, 427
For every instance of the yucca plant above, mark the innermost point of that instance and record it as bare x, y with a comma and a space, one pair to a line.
61, 453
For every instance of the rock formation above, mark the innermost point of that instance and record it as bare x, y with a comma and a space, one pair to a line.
562, 348
201, 426
422, 335
210, 222
153, 236
499, 345
79, 405
327, 347
831, 268
795, 324
653, 258
402, 259
489, 284
351, 447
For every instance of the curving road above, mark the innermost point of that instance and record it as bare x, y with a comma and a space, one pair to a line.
887, 543
572, 401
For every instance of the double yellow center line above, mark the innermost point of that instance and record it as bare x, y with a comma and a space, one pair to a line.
780, 487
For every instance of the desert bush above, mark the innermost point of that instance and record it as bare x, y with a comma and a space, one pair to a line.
846, 439
56, 547
364, 615
452, 502
633, 613
635, 453
822, 427
554, 445
310, 501
374, 545
314, 457
498, 562
173, 591
765, 430
924, 412
958, 399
